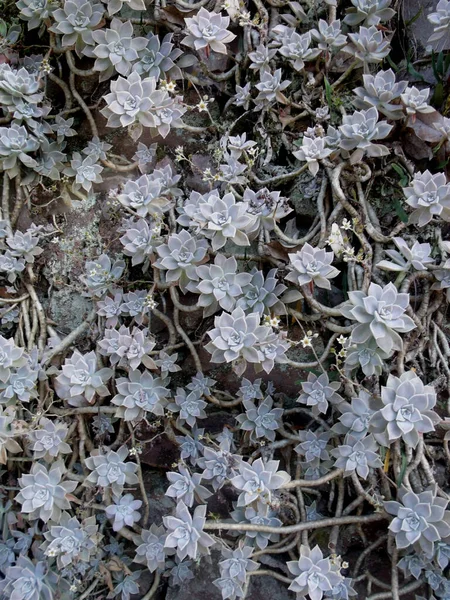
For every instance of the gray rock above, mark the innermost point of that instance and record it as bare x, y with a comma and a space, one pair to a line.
68, 309
201, 588
420, 28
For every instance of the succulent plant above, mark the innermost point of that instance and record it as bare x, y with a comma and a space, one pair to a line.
114, 6
261, 57
296, 48
218, 219
101, 274
267, 207
151, 551
440, 20
261, 421
360, 129
11, 265
124, 511
314, 574
63, 128
312, 265
42, 493
313, 445
258, 481
261, 293
318, 391
110, 470
71, 541
186, 486
168, 180
413, 564
219, 284
136, 304
189, 405
219, 465
201, 384
208, 31
357, 455
36, 11
443, 281
234, 567
312, 151
116, 49
97, 148
442, 555
342, 590
191, 447
420, 520
49, 440
181, 572
136, 100
429, 195
11, 357
167, 363
236, 335
111, 308
28, 580
85, 170
406, 412
21, 385
15, 145
270, 87
158, 58
250, 390
250, 515
380, 315
369, 45
24, 245
185, 532
243, 95
19, 85
355, 416
418, 257
144, 196
80, 380
367, 356
128, 349
76, 21
7, 441
139, 394
381, 91
329, 36
415, 101
139, 240
180, 256
369, 12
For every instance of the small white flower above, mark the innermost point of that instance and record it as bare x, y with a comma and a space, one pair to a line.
306, 342
346, 225
202, 106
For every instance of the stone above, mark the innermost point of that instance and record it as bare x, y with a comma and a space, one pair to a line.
68, 309
201, 588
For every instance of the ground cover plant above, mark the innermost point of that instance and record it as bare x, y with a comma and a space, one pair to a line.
250, 203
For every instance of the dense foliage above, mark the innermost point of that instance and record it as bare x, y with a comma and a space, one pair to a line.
217, 294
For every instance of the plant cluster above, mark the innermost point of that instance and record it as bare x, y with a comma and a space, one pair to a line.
319, 343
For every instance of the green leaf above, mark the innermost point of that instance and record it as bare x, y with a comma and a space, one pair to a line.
404, 178
392, 64
414, 18
438, 96
401, 475
401, 214
328, 92
440, 64
412, 71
